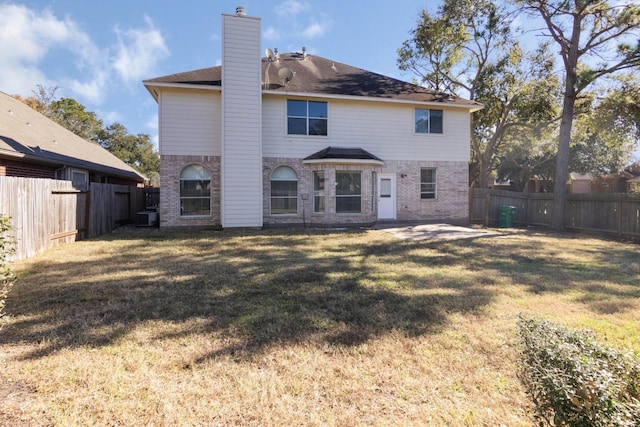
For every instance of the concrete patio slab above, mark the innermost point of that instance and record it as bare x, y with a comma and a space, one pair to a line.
435, 232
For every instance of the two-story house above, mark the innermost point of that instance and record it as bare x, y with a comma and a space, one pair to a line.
297, 139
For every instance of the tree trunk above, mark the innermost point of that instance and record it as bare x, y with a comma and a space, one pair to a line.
562, 161
570, 54
484, 170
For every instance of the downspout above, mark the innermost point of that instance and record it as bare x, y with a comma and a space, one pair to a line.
55, 173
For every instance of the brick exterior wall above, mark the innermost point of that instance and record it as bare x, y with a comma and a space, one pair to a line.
305, 213
170, 168
25, 170
21, 169
450, 205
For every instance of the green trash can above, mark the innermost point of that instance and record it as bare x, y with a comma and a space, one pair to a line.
506, 216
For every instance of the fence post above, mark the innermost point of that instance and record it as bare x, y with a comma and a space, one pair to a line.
487, 201
619, 216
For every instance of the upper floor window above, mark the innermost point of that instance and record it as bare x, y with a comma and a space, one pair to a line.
427, 183
195, 191
284, 191
306, 117
428, 121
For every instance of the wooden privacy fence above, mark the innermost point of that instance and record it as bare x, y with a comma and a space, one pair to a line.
45, 213
617, 214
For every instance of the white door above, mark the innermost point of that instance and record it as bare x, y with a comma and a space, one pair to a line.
386, 196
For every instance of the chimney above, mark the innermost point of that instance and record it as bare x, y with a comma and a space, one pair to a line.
241, 157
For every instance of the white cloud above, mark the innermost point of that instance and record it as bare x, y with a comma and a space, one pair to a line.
138, 52
271, 34
92, 90
315, 30
290, 8
152, 123
109, 117
28, 36
21, 80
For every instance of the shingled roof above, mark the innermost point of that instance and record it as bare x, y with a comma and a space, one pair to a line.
317, 75
342, 154
27, 135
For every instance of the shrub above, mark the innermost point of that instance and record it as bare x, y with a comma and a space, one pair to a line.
574, 381
6, 275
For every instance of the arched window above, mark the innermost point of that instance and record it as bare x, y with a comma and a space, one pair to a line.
195, 191
284, 191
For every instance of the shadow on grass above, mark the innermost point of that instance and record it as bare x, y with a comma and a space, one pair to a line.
265, 288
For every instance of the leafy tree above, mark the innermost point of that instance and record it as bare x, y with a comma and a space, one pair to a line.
528, 158
602, 139
67, 112
135, 150
594, 39
471, 46
41, 99
621, 107
72, 115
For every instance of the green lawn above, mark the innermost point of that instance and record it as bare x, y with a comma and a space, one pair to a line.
298, 327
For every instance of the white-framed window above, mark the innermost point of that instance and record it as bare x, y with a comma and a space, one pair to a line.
348, 192
318, 191
307, 117
195, 191
374, 179
79, 178
429, 121
284, 191
427, 183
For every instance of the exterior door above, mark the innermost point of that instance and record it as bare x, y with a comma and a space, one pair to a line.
386, 196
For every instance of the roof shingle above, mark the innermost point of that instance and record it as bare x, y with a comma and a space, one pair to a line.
27, 134
317, 75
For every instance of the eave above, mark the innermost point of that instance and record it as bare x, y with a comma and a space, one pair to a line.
344, 162
470, 108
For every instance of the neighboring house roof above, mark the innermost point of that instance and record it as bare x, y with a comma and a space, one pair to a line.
316, 75
574, 176
29, 136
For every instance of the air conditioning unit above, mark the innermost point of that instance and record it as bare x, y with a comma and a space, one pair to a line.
147, 219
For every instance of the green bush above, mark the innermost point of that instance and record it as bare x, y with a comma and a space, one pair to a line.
574, 381
6, 275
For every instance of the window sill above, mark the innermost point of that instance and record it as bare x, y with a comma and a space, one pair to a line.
295, 135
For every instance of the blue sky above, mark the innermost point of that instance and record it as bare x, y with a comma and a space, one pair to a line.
99, 52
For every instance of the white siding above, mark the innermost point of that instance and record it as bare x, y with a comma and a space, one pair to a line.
189, 123
241, 123
385, 130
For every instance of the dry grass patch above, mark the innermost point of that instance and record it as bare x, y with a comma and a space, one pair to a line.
344, 328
